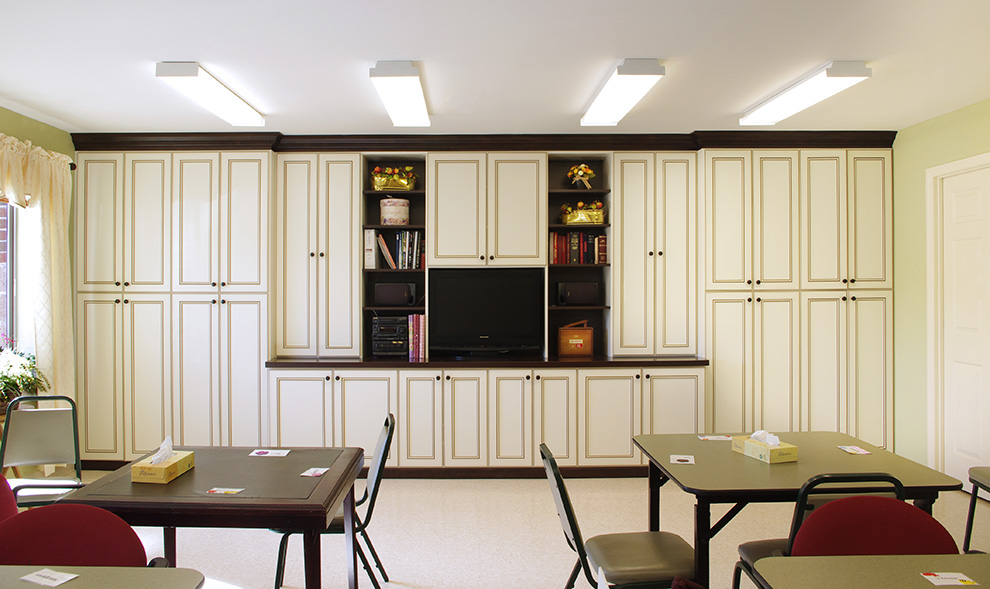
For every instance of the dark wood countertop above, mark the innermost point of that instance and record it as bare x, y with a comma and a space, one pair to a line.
483, 362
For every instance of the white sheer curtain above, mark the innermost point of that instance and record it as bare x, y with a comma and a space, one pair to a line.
34, 177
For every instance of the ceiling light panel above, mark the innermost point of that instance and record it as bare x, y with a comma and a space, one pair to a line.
401, 91
627, 85
199, 85
823, 83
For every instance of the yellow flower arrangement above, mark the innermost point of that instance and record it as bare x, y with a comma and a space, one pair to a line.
581, 173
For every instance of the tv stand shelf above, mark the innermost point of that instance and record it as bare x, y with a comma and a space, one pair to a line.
372, 363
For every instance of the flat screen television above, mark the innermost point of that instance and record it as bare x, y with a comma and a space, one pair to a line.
475, 311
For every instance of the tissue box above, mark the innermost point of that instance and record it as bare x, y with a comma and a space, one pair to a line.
761, 451
163, 472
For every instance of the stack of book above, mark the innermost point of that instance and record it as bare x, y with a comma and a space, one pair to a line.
578, 247
404, 254
417, 338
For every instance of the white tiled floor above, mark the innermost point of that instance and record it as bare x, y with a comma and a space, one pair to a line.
495, 533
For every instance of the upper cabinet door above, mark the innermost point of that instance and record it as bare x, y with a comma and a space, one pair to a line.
244, 227
196, 222
295, 251
632, 251
823, 219
147, 222
729, 219
99, 222
456, 209
339, 255
676, 255
775, 220
517, 210
870, 202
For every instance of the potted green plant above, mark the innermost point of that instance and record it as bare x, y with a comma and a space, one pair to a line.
19, 374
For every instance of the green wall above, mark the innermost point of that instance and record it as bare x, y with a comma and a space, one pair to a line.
954, 136
38, 134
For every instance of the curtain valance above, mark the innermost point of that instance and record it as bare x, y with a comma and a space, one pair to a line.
27, 170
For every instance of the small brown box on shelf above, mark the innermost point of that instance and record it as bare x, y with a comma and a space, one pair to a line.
576, 339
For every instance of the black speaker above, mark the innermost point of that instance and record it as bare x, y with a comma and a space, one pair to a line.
578, 293
398, 294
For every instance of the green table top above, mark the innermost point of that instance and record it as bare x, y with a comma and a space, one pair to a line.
717, 470
108, 577
875, 572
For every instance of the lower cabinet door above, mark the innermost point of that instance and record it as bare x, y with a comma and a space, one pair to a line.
300, 408
362, 400
609, 415
510, 418
673, 400
465, 416
419, 430
555, 415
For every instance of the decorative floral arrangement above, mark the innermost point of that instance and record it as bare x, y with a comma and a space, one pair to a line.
581, 206
19, 374
581, 173
584, 213
393, 178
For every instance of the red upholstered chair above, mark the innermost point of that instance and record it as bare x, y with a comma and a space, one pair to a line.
70, 535
871, 525
8, 503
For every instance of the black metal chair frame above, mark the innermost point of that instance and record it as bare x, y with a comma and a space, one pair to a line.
375, 472
805, 504
968, 536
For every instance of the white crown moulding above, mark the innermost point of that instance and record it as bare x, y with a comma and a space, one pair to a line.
824, 82
625, 87
401, 91
204, 89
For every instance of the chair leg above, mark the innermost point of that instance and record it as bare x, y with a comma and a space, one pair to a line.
367, 566
283, 545
969, 518
574, 575
374, 555
736, 574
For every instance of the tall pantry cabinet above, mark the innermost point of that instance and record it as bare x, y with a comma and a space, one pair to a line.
156, 235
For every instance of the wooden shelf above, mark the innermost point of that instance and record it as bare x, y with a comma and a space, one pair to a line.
575, 226
407, 310
396, 227
395, 193
578, 308
606, 265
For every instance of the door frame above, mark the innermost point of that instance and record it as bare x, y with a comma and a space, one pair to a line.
934, 178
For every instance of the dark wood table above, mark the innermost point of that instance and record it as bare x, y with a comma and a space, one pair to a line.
107, 577
720, 475
274, 496
875, 572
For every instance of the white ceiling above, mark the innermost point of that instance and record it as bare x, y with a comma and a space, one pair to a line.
494, 66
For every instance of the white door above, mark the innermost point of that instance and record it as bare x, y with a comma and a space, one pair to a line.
517, 209
419, 430
632, 280
456, 209
195, 222
965, 248
510, 418
295, 254
362, 399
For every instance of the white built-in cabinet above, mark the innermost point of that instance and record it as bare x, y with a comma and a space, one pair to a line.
610, 405
510, 417
420, 418
486, 209
555, 420
362, 399
654, 285
318, 255
674, 400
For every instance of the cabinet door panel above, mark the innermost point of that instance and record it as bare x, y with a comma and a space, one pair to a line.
676, 255
776, 368
340, 254
456, 209
870, 370
100, 376
420, 431
362, 400
244, 208
510, 414
674, 400
147, 373
823, 222
99, 222
823, 384
301, 408
517, 211
729, 223
196, 222
776, 249
465, 410
555, 414
632, 243
147, 226
610, 414
870, 229
731, 352
243, 352
195, 356
296, 243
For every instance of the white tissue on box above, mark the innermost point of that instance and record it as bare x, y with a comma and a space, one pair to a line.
767, 438
164, 451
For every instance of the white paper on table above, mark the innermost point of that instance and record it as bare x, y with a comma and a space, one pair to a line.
682, 459
314, 472
266, 452
712, 438
48, 577
949, 579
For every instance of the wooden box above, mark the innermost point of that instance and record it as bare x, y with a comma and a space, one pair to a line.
163, 472
576, 339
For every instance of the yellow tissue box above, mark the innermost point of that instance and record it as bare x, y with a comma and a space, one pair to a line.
163, 472
762, 451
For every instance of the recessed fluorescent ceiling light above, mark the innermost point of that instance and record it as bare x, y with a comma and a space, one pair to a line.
198, 84
627, 85
401, 91
826, 81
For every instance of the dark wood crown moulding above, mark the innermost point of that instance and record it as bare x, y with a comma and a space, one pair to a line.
562, 142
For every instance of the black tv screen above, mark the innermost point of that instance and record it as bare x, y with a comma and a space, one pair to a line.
486, 310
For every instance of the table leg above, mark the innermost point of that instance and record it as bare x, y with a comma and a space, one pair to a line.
702, 536
311, 558
350, 548
654, 498
168, 534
